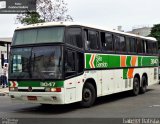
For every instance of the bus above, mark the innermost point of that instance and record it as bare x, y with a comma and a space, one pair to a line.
63, 63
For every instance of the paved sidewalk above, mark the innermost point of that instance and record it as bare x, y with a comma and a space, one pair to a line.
4, 91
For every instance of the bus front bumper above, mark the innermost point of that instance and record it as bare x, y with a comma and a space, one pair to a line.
38, 97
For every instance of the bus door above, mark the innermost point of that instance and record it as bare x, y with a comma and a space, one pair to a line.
74, 67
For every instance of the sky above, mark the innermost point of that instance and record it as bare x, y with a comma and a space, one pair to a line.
103, 13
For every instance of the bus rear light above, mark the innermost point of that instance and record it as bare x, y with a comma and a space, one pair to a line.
53, 89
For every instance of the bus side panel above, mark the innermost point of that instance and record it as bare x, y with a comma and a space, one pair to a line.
108, 84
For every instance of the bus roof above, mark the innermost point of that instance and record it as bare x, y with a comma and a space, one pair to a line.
49, 24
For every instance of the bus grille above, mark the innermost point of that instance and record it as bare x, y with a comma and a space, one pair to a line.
33, 90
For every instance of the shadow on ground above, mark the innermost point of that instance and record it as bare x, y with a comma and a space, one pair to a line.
61, 109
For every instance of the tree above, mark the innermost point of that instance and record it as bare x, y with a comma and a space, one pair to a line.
47, 11
29, 18
155, 32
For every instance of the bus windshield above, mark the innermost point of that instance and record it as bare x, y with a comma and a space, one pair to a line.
36, 63
38, 35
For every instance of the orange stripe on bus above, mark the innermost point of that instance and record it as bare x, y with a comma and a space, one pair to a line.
130, 73
134, 59
131, 70
123, 61
92, 61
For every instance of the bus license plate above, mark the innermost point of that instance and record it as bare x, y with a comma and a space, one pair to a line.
32, 98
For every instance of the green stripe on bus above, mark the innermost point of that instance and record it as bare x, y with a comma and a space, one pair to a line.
125, 73
40, 83
140, 61
114, 61
88, 57
128, 61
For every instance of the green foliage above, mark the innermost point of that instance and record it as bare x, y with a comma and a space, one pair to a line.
29, 18
47, 11
155, 32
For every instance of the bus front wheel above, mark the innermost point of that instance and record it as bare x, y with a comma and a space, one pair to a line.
88, 95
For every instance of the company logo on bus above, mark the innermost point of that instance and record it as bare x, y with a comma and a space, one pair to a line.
97, 61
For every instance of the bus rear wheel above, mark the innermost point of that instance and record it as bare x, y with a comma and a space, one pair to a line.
135, 90
143, 85
88, 95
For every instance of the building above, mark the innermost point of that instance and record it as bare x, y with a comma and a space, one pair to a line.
4, 51
143, 31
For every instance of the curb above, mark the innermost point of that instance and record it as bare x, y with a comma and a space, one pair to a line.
4, 94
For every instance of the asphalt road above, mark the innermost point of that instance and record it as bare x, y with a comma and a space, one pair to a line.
121, 105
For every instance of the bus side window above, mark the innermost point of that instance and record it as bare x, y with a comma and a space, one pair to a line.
133, 44
140, 46
145, 46
149, 47
80, 62
93, 38
106, 40
70, 60
74, 37
87, 43
119, 43
128, 45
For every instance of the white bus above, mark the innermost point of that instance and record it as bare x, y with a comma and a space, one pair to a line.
62, 63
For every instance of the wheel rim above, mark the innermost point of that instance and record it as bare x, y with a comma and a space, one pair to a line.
87, 95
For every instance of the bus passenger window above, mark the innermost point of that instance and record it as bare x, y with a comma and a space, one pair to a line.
140, 46
120, 45
106, 40
133, 48
74, 37
91, 40
87, 43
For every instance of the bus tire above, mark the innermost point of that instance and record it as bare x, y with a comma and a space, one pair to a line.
143, 85
136, 88
88, 95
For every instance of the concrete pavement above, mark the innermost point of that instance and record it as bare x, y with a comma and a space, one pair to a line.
4, 91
